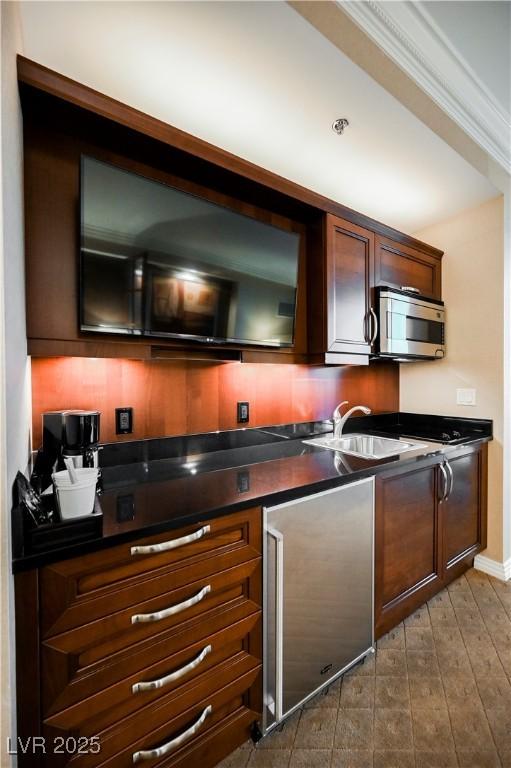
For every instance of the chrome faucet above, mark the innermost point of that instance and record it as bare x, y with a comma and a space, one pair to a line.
340, 421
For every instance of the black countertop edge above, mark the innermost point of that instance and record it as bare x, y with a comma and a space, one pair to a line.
430, 451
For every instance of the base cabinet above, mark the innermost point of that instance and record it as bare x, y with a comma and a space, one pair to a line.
150, 651
430, 521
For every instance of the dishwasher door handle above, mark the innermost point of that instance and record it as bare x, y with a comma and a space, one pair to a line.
279, 619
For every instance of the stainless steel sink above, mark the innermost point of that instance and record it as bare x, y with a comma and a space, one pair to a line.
365, 446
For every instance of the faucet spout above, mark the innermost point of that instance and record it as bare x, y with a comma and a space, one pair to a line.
340, 421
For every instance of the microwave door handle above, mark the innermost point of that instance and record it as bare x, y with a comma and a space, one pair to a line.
279, 619
375, 325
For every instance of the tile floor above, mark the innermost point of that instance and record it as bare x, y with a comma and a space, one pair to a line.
437, 694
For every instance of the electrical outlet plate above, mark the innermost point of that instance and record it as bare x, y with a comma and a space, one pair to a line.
123, 421
465, 396
243, 412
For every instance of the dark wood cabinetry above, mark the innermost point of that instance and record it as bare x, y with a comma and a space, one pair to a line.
349, 283
398, 265
135, 643
430, 521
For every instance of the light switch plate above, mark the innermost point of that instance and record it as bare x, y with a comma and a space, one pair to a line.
465, 397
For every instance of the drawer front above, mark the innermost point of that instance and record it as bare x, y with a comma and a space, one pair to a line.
176, 672
79, 657
78, 591
157, 725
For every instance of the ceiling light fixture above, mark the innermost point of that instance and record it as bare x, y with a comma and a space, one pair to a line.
339, 125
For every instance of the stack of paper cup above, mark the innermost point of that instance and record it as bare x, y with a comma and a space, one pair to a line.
75, 499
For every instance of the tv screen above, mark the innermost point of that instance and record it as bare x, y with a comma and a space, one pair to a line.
156, 261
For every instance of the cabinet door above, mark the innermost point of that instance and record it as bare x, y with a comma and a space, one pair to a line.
464, 511
399, 265
349, 278
408, 565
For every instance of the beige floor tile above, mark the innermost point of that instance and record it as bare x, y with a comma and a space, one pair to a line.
390, 758
282, 737
486, 598
316, 729
495, 692
453, 661
470, 758
393, 639
442, 616
328, 698
358, 692
418, 619
485, 662
392, 693
448, 637
505, 660
500, 724
352, 758
441, 600
506, 759
461, 688
238, 759
269, 758
476, 637
390, 662
470, 729
419, 639
310, 758
422, 663
354, 729
392, 729
432, 730
501, 637
367, 667
469, 617
427, 693
463, 600
436, 759
475, 577
458, 585
495, 619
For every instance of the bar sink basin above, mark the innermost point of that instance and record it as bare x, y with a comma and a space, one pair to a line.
365, 446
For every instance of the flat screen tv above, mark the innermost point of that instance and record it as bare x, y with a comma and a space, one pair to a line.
157, 261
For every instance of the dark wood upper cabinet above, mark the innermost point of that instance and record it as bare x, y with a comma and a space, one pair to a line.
349, 281
398, 265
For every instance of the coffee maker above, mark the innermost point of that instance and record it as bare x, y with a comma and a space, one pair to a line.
71, 434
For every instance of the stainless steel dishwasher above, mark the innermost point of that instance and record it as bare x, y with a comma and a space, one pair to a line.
318, 594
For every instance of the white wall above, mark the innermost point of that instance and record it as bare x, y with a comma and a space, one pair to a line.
14, 372
473, 289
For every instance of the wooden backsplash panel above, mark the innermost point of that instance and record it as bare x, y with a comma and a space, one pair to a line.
177, 397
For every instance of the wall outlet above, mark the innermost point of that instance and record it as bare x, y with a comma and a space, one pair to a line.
123, 421
243, 413
465, 397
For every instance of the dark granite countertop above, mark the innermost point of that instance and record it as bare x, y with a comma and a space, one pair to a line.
152, 486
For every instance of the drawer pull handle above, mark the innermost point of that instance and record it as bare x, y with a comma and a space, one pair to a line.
154, 684
164, 546
140, 618
150, 754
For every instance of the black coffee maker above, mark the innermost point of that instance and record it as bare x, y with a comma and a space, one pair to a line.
71, 434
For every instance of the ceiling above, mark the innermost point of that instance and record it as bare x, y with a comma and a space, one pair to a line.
260, 81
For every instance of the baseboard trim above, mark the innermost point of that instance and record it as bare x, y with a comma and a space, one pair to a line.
494, 568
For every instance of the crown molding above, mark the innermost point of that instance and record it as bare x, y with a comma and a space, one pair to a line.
411, 38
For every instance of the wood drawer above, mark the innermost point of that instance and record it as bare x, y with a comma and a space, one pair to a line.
114, 702
158, 723
75, 654
77, 591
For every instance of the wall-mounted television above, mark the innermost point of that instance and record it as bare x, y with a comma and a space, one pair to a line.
157, 261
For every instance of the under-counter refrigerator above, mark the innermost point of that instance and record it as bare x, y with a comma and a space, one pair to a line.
318, 593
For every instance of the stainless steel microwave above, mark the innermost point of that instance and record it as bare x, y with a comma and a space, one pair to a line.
411, 327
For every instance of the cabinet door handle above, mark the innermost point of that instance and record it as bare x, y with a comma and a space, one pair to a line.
451, 479
375, 326
164, 546
140, 618
163, 681
150, 754
445, 484
410, 289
